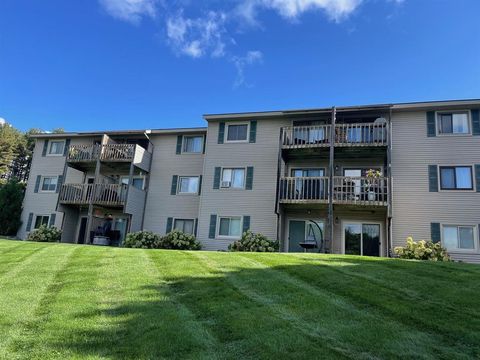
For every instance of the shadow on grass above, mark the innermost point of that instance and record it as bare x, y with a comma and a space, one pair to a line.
295, 307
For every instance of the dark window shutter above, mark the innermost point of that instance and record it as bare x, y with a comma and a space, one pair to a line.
216, 178
67, 145
52, 220
59, 183
253, 131
37, 183
29, 221
169, 225
200, 178
431, 128
45, 147
179, 144
246, 223
221, 132
477, 177
435, 232
173, 190
475, 121
249, 182
432, 178
213, 227
204, 143
196, 227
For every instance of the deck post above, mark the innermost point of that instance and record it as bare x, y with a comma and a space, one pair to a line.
91, 200
331, 170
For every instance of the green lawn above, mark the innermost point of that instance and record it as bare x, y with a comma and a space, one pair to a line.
72, 301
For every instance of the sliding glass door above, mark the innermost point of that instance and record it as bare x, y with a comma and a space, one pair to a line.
362, 239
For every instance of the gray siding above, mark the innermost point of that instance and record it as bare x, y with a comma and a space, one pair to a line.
135, 205
414, 207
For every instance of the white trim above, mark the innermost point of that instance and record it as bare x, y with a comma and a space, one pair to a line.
460, 250
227, 125
295, 218
244, 168
469, 122
49, 148
227, 237
439, 180
192, 136
187, 193
362, 222
42, 179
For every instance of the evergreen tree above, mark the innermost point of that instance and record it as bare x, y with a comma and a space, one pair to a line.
11, 197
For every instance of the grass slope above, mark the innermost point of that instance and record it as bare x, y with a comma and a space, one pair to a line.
68, 301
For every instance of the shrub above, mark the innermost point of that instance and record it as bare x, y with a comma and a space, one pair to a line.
142, 240
45, 234
11, 197
422, 250
254, 243
179, 240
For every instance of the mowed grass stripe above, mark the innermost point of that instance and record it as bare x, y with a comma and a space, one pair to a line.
15, 256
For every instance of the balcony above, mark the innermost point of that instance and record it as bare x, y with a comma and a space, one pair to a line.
346, 190
318, 136
97, 194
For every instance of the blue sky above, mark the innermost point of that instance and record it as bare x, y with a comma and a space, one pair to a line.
123, 64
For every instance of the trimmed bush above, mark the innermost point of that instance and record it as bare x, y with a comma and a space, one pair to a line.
422, 250
45, 234
254, 243
179, 240
142, 240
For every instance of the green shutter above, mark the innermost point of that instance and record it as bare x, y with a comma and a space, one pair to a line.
67, 145
253, 131
37, 183
169, 225
173, 190
431, 128
45, 148
477, 177
179, 144
435, 232
196, 227
52, 220
29, 222
249, 182
213, 227
200, 178
204, 143
246, 223
432, 178
475, 121
59, 183
221, 132
216, 178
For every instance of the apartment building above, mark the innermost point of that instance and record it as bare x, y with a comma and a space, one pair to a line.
347, 180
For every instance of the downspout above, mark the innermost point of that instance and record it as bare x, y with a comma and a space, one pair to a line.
330, 179
390, 187
148, 180
277, 190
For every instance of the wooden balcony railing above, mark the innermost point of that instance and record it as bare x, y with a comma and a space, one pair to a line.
110, 152
360, 190
303, 190
100, 194
296, 137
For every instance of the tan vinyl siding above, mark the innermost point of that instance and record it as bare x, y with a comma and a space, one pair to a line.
166, 163
258, 203
414, 207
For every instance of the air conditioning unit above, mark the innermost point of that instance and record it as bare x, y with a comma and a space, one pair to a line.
226, 184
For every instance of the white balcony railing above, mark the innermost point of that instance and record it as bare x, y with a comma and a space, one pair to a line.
303, 189
360, 190
110, 152
305, 136
100, 194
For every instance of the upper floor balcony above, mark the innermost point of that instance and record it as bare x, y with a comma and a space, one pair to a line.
80, 156
345, 135
113, 195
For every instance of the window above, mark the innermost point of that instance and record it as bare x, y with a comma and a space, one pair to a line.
453, 123
41, 220
185, 225
456, 178
49, 183
237, 132
234, 178
308, 172
137, 182
459, 237
188, 185
230, 227
192, 144
56, 147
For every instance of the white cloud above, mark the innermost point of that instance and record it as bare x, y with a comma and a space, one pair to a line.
241, 62
198, 37
130, 10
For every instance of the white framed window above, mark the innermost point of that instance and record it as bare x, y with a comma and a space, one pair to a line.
453, 123
192, 144
56, 148
233, 178
229, 227
459, 237
41, 220
49, 184
137, 182
237, 132
456, 178
185, 225
188, 184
